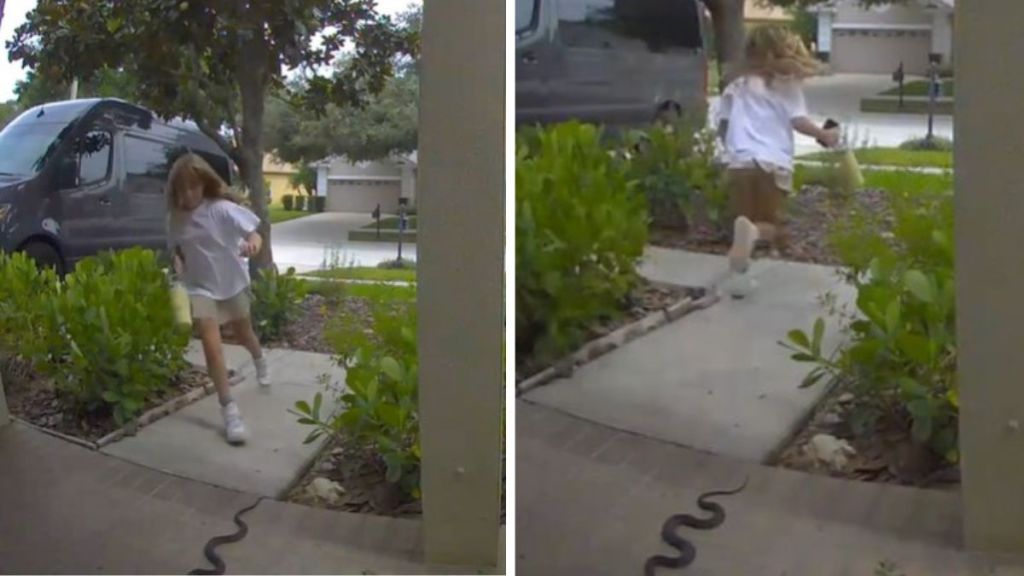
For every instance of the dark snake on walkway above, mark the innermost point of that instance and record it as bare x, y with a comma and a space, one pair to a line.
669, 531
209, 550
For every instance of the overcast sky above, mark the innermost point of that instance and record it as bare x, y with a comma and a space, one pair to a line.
14, 16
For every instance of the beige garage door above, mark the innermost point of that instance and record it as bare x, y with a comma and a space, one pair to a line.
363, 196
874, 52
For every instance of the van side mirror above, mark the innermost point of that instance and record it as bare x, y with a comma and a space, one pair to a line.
67, 173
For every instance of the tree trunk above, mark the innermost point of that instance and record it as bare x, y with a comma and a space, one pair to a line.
250, 161
727, 19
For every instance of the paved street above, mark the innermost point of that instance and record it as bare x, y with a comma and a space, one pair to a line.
310, 242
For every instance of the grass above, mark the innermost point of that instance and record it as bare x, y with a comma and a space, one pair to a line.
713, 77
391, 223
376, 292
279, 214
920, 88
366, 273
878, 179
895, 157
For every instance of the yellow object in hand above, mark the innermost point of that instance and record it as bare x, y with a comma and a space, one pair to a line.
850, 176
181, 305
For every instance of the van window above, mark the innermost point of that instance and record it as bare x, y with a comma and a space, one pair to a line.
660, 24
146, 166
526, 15
94, 153
28, 145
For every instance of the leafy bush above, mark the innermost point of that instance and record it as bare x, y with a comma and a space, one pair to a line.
24, 293
379, 407
300, 203
676, 170
901, 356
276, 300
108, 335
317, 203
288, 201
580, 232
936, 143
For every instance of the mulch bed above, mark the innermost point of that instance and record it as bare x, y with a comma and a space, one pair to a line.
34, 399
810, 216
306, 331
886, 456
647, 299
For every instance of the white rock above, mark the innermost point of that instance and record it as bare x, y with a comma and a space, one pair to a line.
845, 398
831, 419
830, 450
325, 489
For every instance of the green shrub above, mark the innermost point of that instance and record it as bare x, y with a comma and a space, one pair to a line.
580, 232
900, 357
300, 203
108, 336
276, 300
676, 170
379, 406
288, 201
25, 291
936, 143
319, 203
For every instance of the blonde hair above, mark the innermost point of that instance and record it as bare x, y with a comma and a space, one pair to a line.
190, 170
774, 51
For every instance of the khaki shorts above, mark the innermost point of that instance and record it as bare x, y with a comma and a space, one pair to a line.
758, 195
223, 311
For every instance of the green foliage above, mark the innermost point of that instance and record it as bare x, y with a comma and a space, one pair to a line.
580, 232
304, 179
276, 300
106, 336
288, 201
43, 86
300, 203
900, 357
8, 111
675, 169
379, 405
936, 143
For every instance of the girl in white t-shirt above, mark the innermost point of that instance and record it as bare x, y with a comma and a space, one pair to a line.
210, 236
760, 109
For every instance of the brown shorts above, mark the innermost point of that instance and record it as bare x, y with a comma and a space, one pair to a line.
223, 311
756, 194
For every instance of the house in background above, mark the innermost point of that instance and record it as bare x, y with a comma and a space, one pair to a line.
361, 186
757, 12
278, 175
854, 39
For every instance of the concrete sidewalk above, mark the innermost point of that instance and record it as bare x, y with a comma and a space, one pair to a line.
591, 500
190, 442
716, 380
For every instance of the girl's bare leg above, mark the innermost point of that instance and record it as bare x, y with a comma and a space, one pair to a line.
209, 332
243, 331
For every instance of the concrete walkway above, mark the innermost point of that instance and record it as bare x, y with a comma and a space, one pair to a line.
309, 242
190, 442
716, 380
68, 510
591, 500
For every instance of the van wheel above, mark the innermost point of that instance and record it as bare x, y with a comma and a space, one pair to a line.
45, 256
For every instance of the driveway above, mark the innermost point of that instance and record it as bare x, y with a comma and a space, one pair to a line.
838, 97
311, 242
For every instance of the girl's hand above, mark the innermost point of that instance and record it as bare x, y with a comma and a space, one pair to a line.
830, 137
252, 245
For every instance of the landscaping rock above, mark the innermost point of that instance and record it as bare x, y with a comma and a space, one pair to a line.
831, 419
325, 490
845, 398
831, 451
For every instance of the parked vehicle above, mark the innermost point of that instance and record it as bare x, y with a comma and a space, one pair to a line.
610, 62
84, 176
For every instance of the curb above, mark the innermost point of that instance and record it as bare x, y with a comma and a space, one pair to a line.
594, 349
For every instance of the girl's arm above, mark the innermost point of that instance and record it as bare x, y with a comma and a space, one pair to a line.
253, 244
807, 127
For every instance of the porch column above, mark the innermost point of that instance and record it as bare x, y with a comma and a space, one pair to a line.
461, 288
825, 17
990, 314
321, 179
5, 417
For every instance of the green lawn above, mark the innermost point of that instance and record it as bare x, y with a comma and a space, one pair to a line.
920, 88
894, 157
391, 223
378, 292
279, 214
365, 273
879, 179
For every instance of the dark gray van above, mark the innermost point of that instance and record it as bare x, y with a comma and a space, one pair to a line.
83, 176
609, 62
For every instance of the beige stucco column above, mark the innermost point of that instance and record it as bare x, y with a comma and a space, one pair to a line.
5, 418
460, 269
989, 128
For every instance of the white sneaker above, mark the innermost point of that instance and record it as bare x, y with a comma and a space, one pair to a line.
262, 371
744, 237
234, 428
740, 285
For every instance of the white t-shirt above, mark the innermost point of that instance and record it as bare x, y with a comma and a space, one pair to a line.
210, 238
761, 120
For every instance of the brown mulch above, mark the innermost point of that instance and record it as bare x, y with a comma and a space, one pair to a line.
887, 455
306, 331
647, 299
810, 217
34, 399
